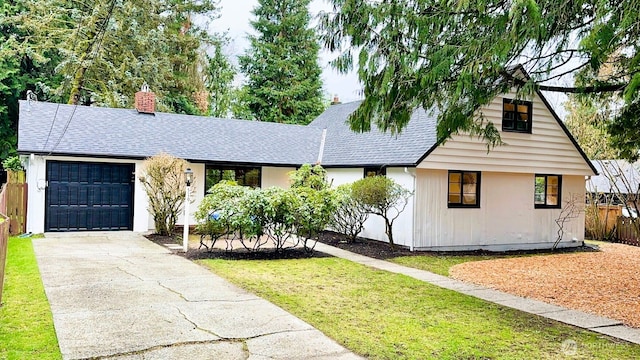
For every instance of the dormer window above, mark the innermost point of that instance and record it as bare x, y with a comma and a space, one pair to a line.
516, 116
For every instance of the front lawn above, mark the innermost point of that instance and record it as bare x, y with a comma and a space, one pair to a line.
382, 315
440, 264
26, 324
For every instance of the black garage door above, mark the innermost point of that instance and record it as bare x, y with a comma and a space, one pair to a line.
89, 196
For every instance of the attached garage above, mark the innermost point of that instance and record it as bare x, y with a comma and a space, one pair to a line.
83, 196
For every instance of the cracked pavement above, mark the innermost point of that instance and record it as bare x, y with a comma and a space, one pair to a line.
119, 296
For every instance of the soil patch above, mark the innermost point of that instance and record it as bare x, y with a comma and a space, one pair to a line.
605, 283
236, 254
382, 251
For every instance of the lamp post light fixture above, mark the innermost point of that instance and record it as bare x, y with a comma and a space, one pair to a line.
188, 179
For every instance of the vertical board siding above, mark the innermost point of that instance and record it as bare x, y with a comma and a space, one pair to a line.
506, 217
546, 150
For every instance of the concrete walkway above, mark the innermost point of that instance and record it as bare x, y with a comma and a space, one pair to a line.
119, 296
580, 319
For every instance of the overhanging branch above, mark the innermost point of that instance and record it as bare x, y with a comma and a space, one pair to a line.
584, 89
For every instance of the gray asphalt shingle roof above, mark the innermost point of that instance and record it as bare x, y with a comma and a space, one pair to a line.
108, 132
344, 147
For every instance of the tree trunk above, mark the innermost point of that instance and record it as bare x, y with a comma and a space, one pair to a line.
389, 232
76, 86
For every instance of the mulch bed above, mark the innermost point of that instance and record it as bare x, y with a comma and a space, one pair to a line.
367, 247
236, 254
605, 283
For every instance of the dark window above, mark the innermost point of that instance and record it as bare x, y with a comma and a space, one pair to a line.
375, 171
244, 176
464, 189
516, 116
548, 191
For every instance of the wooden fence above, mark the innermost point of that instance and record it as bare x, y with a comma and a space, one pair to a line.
626, 231
600, 220
14, 203
4, 236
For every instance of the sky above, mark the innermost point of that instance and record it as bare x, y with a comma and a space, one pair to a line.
235, 17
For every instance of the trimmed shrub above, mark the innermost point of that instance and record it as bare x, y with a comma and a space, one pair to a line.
350, 215
384, 197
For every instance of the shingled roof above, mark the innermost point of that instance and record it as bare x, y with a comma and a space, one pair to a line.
47, 128
344, 147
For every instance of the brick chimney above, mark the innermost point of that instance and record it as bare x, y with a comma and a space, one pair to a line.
145, 100
336, 100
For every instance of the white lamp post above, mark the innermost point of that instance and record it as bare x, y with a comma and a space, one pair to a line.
188, 178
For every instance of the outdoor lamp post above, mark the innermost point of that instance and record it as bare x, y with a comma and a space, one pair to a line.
188, 178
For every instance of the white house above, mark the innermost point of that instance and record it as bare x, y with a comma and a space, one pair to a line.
82, 166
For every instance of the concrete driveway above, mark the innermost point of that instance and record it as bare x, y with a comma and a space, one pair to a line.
119, 296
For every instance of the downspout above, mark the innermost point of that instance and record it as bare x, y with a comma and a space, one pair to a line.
413, 206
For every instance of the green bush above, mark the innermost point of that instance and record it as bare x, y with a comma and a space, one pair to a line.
314, 177
12, 163
350, 215
254, 216
383, 197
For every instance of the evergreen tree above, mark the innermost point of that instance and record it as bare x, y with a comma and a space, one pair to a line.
218, 82
281, 65
20, 71
109, 48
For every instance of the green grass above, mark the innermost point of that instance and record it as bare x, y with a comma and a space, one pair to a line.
26, 324
440, 264
382, 315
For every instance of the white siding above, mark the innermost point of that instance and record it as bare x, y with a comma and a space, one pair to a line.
546, 150
374, 227
276, 176
506, 219
337, 176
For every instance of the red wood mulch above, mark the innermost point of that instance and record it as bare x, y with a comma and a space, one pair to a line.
605, 283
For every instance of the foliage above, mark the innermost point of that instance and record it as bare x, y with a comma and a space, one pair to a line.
285, 217
13, 163
458, 55
314, 177
350, 215
384, 197
20, 70
108, 49
281, 64
381, 315
589, 128
218, 82
26, 324
163, 181
315, 211
240, 104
